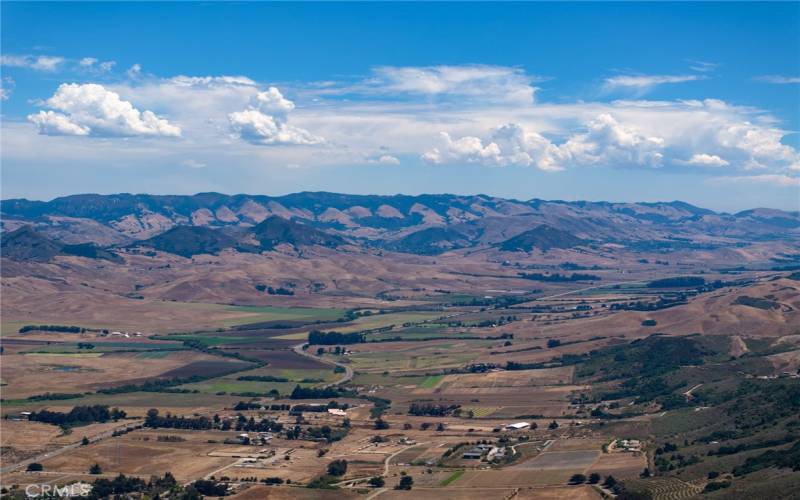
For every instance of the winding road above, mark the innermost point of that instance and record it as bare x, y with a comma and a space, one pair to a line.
348, 372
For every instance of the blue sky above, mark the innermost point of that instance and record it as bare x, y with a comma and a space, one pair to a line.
620, 102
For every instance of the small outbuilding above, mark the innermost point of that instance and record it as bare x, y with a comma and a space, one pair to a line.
518, 426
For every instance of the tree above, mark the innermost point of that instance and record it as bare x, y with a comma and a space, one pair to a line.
84, 441
594, 478
320, 351
210, 488
577, 479
553, 425
95, 469
405, 483
439, 427
337, 468
610, 482
377, 482
645, 472
35, 467
381, 424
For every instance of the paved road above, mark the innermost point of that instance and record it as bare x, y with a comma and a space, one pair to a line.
64, 449
348, 372
386, 464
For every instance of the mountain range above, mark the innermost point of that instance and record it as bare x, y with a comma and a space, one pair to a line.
424, 224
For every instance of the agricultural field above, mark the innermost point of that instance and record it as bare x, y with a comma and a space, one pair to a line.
449, 377
278, 379
30, 374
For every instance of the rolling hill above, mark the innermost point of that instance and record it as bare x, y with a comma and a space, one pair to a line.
542, 238
26, 244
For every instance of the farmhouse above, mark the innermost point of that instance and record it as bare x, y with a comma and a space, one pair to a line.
337, 412
473, 454
476, 453
630, 444
495, 454
518, 426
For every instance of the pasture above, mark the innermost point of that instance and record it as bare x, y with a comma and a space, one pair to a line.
34, 374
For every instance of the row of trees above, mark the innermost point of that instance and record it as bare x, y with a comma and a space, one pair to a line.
79, 415
52, 328
169, 421
316, 337
316, 393
433, 410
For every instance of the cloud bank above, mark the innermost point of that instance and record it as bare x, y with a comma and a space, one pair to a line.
92, 110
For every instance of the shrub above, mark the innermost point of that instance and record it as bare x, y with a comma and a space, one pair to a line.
337, 468
405, 483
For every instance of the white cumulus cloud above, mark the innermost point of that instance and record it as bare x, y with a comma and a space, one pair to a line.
706, 160
265, 123
601, 141
91, 109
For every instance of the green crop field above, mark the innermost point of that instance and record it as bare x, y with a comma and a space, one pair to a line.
383, 320
431, 382
452, 477
230, 384
155, 354
212, 339
256, 314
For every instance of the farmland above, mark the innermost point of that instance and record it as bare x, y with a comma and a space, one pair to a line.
420, 381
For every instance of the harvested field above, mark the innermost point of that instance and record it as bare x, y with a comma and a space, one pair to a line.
559, 460
502, 402
22, 439
513, 477
545, 493
559, 493
28, 375
447, 494
140, 453
517, 378
573, 444
259, 492
620, 465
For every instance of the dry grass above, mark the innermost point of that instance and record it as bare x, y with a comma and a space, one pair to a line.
32, 374
139, 453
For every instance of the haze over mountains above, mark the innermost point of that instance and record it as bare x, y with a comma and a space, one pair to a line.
424, 224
